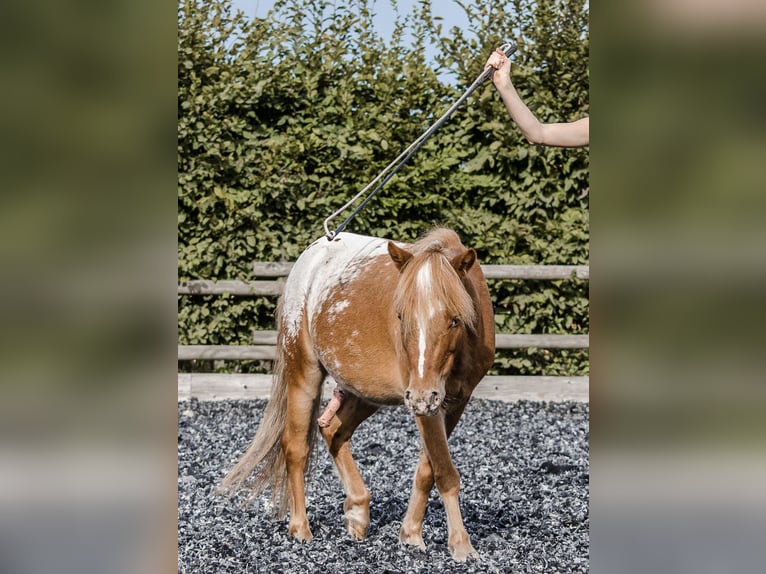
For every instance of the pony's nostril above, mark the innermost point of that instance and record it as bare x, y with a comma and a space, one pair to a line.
407, 395
434, 396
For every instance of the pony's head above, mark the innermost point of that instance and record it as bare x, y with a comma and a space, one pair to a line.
434, 311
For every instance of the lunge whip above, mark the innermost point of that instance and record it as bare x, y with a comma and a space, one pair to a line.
508, 48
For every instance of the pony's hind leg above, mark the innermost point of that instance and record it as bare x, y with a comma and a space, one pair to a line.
356, 507
303, 393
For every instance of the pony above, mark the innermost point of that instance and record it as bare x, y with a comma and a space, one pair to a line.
389, 323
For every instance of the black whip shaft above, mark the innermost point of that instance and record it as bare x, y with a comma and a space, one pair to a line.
508, 48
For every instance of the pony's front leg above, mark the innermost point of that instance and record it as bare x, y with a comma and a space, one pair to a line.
447, 479
411, 531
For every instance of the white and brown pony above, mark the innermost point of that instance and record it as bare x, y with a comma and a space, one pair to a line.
389, 323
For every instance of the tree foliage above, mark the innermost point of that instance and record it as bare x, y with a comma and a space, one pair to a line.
282, 119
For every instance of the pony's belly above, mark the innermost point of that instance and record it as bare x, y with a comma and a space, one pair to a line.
378, 384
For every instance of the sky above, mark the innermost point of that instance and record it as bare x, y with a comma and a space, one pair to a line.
451, 13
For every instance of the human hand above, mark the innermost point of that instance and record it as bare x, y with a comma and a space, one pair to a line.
501, 64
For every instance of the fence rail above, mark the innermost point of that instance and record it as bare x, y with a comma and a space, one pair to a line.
217, 387
281, 270
267, 340
214, 386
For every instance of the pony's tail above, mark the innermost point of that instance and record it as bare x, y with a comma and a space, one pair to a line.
265, 458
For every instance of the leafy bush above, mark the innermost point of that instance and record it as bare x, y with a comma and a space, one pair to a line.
282, 119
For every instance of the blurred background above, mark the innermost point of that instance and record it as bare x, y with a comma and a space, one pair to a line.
678, 257
88, 259
88, 215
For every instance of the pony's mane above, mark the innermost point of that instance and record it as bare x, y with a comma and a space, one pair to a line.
431, 258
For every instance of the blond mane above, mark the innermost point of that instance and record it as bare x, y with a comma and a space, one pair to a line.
446, 290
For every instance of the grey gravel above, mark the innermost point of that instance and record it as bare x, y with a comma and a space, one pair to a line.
524, 494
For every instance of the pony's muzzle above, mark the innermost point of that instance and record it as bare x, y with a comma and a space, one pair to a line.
423, 403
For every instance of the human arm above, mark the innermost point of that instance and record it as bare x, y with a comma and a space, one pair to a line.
563, 134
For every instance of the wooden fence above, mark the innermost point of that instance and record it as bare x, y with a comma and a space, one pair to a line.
270, 282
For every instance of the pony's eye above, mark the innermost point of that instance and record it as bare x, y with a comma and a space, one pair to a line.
454, 323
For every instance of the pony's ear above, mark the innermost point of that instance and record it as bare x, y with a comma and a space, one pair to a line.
462, 263
399, 255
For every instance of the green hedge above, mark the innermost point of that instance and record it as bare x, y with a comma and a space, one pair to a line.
282, 119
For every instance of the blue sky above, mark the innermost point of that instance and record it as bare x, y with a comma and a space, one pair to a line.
451, 13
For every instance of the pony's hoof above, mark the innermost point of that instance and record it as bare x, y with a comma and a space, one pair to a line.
356, 517
357, 530
300, 532
463, 553
412, 538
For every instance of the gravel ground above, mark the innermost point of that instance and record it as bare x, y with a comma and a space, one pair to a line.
524, 494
